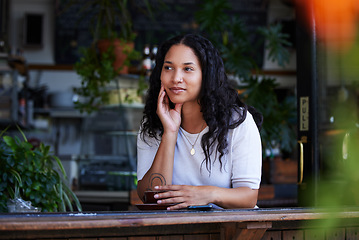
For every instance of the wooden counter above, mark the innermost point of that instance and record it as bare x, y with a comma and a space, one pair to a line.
291, 223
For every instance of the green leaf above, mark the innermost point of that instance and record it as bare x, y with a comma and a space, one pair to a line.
212, 14
73, 197
277, 44
62, 169
22, 133
10, 142
58, 189
67, 201
38, 199
16, 175
3, 131
10, 192
36, 186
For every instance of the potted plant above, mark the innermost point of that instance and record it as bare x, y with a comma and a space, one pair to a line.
113, 45
33, 174
96, 73
113, 29
111, 26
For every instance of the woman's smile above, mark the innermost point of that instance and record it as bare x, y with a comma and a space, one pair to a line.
177, 90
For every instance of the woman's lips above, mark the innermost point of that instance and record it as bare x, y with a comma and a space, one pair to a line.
177, 90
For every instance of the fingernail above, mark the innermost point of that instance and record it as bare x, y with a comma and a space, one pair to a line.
155, 196
159, 201
157, 187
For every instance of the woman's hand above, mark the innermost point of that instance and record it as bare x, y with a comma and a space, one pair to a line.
170, 118
183, 195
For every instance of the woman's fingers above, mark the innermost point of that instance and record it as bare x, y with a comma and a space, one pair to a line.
170, 195
181, 195
169, 187
170, 118
177, 207
162, 103
173, 194
161, 96
165, 99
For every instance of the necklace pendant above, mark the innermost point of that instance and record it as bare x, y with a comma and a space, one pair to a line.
193, 151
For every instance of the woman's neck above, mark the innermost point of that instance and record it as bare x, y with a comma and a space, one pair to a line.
192, 118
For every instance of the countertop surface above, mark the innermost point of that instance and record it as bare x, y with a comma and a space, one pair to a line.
130, 218
216, 224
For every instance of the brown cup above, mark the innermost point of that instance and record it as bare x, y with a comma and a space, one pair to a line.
149, 196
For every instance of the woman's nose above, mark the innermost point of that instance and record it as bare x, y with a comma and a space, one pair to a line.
178, 78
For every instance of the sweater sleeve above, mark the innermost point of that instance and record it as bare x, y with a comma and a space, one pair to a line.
146, 152
246, 155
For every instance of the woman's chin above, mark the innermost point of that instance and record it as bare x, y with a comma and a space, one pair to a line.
176, 100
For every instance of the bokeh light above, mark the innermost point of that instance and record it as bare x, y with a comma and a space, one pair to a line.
335, 21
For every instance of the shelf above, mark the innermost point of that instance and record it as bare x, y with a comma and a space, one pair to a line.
124, 106
74, 113
60, 112
50, 67
103, 196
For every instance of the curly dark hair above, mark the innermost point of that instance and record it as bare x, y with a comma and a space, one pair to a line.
218, 99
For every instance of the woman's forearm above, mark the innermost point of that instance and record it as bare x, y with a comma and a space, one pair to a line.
161, 170
241, 197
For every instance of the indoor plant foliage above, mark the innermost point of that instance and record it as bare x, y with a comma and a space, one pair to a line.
278, 129
112, 28
230, 36
110, 53
33, 174
96, 71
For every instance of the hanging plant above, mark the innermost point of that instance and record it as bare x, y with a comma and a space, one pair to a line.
96, 72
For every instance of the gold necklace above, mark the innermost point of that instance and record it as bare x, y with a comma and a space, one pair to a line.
192, 150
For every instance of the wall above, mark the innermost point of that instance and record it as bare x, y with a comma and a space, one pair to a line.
54, 80
18, 8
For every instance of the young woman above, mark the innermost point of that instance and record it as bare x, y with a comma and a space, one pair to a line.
198, 142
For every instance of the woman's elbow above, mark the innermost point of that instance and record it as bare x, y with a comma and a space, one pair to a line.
252, 198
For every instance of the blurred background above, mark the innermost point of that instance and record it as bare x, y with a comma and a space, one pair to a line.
295, 61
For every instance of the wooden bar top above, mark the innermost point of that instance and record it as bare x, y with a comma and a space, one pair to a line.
27, 221
13, 225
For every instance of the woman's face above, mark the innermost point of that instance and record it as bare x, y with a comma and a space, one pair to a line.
181, 74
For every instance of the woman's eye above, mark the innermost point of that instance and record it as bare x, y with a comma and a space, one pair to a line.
188, 69
167, 67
